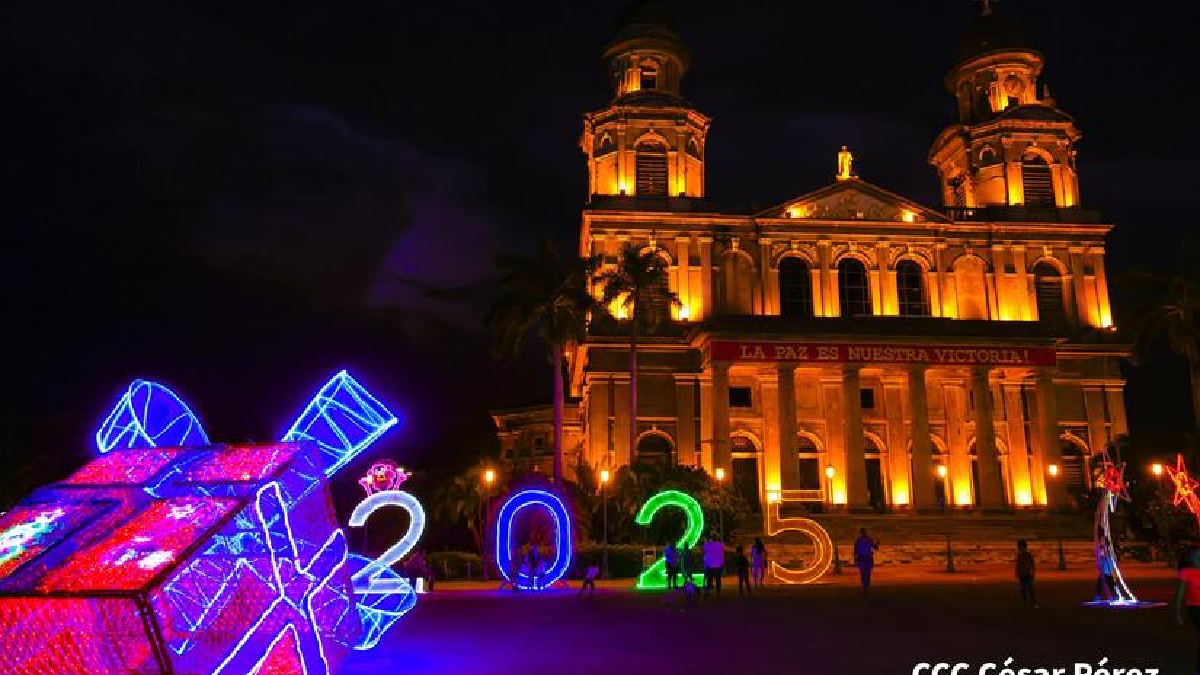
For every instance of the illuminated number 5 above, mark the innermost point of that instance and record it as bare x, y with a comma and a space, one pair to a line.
531, 579
821, 542
656, 576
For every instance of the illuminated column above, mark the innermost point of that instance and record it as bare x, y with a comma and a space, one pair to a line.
876, 299
945, 282
828, 278
991, 486
706, 424
1116, 408
818, 290
706, 280
720, 416
599, 405
835, 435
684, 276
1018, 445
770, 293
856, 465
889, 304
899, 467
935, 293
1082, 313
1049, 451
995, 284
1022, 286
685, 419
1093, 405
923, 496
789, 465
1097, 256
620, 442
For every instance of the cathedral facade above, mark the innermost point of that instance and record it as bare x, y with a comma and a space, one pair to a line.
851, 347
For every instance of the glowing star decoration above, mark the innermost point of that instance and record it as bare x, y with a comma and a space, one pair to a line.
290, 619
149, 415
383, 475
1185, 487
1116, 592
523, 576
343, 419
382, 595
656, 575
822, 545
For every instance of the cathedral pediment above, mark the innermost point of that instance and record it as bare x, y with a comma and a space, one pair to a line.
853, 199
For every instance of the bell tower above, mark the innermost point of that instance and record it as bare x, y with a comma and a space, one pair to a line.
648, 142
1012, 146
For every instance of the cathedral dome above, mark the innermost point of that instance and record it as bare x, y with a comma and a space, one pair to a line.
647, 23
988, 33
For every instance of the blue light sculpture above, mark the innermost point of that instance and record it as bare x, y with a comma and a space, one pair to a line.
343, 419
529, 579
149, 415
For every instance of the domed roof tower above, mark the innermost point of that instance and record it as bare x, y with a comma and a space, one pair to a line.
648, 142
1011, 146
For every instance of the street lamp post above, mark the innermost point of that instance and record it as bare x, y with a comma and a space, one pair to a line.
604, 476
720, 474
1157, 470
1053, 471
830, 472
489, 477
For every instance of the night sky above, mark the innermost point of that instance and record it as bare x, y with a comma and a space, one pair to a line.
239, 198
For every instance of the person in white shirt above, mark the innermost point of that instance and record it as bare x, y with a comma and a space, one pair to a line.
714, 564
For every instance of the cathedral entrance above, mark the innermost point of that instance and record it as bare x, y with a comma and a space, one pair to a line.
745, 481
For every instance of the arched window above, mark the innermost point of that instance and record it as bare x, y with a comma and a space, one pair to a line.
1048, 289
648, 75
970, 285
910, 289
795, 288
654, 449
1073, 475
810, 463
737, 277
854, 292
1035, 177
651, 169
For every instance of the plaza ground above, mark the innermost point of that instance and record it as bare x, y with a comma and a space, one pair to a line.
914, 615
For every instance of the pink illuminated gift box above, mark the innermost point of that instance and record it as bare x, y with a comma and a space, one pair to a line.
220, 560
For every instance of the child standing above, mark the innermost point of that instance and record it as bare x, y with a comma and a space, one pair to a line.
1025, 574
758, 556
742, 563
589, 580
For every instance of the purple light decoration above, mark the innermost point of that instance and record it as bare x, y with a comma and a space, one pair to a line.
149, 415
562, 538
343, 418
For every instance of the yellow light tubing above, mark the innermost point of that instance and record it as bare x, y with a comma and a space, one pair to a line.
822, 544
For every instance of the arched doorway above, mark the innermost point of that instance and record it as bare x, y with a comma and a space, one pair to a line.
744, 481
876, 494
1073, 472
655, 449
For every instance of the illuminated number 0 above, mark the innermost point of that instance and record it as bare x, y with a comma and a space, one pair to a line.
656, 576
562, 539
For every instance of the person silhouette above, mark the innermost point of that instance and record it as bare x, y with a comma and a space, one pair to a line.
864, 558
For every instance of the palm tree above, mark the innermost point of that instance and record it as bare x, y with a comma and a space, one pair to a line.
1170, 307
639, 287
462, 501
549, 295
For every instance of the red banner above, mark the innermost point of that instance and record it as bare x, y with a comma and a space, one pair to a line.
934, 355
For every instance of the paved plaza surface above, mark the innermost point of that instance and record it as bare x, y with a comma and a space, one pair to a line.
825, 629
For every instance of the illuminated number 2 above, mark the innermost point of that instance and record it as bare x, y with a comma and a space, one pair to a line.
382, 595
532, 579
822, 557
656, 576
